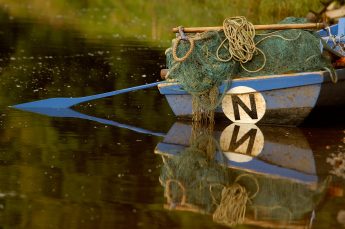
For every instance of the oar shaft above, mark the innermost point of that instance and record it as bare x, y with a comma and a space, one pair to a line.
257, 27
121, 91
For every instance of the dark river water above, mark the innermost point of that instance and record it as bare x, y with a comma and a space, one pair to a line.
100, 169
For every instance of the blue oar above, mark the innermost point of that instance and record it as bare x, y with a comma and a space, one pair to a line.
65, 102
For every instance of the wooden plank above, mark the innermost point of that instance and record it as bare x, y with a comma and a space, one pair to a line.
257, 27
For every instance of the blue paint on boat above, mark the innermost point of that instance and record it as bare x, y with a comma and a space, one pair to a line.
297, 97
252, 165
341, 27
324, 32
288, 157
266, 168
261, 83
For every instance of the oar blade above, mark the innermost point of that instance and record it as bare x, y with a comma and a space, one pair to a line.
57, 103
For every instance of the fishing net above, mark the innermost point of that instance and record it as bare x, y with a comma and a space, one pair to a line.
195, 182
287, 51
197, 179
204, 60
194, 169
201, 73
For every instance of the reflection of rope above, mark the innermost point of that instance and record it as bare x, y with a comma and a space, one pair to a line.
168, 192
181, 205
255, 181
232, 207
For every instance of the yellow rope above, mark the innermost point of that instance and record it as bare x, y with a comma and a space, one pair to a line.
191, 47
168, 192
241, 46
240, 34
232, 208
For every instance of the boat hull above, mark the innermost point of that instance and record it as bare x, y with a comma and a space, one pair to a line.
278, 99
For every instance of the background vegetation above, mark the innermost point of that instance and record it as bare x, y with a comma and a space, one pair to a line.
152, 19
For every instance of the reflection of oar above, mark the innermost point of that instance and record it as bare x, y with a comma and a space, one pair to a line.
69, 113
60, 103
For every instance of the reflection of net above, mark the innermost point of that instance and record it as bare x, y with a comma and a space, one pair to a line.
194, 169
194, 181
205, 69
232, 207
338, 163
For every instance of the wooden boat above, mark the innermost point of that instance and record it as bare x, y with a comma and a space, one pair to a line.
264, 154
285, 99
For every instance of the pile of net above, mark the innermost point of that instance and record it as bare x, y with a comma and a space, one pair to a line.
198, 180
204, 60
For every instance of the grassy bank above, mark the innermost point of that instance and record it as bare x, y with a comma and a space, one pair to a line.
151, 20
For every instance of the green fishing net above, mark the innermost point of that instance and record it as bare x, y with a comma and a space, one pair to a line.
285, 51
201, 71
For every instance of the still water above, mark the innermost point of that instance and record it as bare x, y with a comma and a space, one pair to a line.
115, 163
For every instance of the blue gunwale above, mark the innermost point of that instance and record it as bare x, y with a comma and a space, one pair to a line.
259, 83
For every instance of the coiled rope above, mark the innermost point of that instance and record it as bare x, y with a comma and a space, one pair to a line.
232, 207
240, 34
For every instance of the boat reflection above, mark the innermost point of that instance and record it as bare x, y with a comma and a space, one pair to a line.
241, 175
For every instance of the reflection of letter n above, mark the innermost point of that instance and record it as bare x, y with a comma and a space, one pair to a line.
236, 102
234, 144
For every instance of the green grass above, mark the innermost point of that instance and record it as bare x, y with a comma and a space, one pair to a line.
154, 19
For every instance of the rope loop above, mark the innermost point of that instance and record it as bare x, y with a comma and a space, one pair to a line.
254, 180
176, 43
332, 74
168, 192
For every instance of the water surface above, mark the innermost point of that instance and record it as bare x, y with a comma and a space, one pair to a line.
101, 171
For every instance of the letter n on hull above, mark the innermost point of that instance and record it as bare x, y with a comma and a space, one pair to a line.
244, 105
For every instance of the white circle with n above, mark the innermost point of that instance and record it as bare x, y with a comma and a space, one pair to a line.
244, 105
241, 142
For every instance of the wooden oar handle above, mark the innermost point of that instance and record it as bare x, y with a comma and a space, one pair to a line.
164, 73
257, 27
